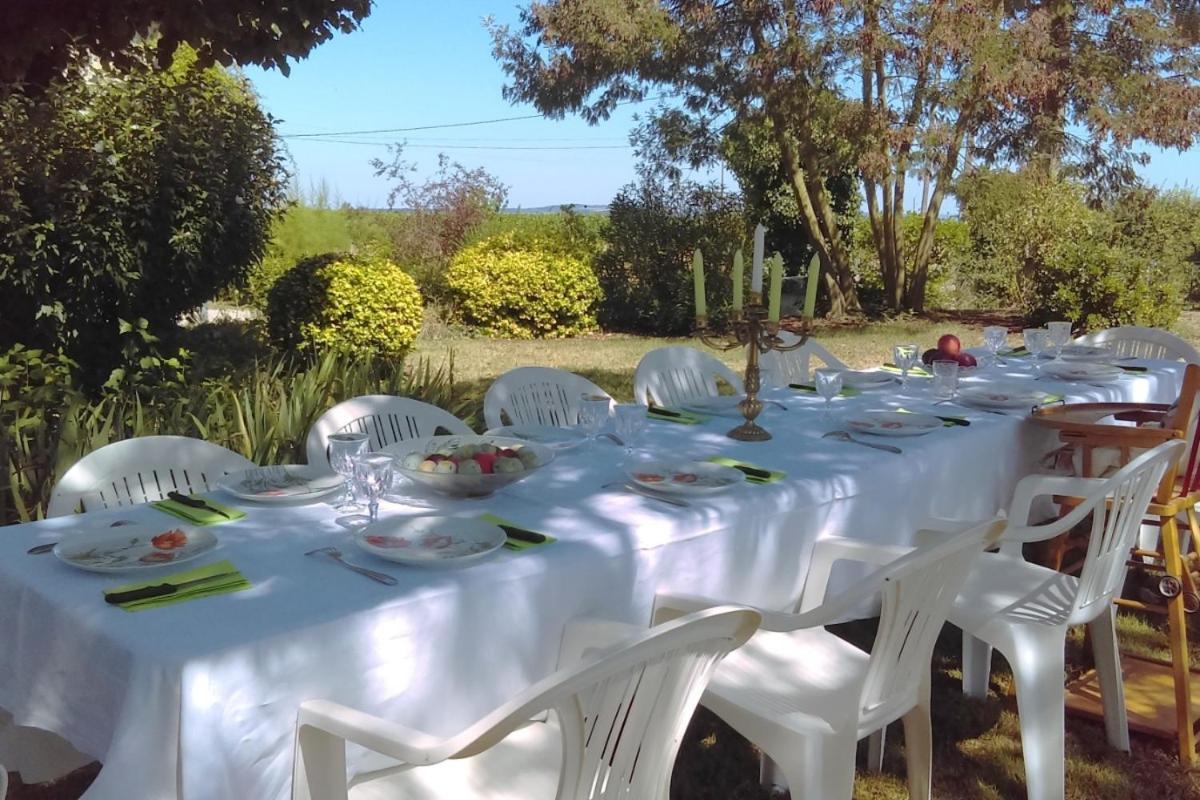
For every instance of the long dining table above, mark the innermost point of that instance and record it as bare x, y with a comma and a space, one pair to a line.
198, 699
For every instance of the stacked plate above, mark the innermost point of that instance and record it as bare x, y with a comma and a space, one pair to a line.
1000, 397
1089, 371
892, 423
431, 542
290, 483
860, 379
683, 477
1085, 352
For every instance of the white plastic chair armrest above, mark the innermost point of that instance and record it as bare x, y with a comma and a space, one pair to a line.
380, 735
1032, 487
669, 606
587, 637
832, 549
932, 530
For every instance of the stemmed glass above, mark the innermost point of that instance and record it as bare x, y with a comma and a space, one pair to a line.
373, 477
994, 339
828, 383
905, 356
1058, 334
343, 448
593, 413
1035, 343
629, 421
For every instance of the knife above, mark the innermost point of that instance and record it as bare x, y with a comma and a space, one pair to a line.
955, 421
1132, 368
522, 535
752, 472
666, 412
192, 502
159, 590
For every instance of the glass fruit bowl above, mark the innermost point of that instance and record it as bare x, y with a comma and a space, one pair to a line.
468, 466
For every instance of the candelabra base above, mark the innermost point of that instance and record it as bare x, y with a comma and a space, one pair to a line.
749, 431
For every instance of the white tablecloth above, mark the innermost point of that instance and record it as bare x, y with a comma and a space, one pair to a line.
197, 700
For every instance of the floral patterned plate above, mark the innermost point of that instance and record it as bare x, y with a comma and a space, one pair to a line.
1082, 371
1000, 396
433, 542
683, 477
282, 484
135, 547
893, 423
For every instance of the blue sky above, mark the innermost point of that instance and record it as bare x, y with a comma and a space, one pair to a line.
424, 63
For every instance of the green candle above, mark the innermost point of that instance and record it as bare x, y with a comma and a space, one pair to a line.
776, 288
698, 276
810, 286
738, 269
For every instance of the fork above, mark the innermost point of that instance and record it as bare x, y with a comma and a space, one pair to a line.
336, 555
844, 436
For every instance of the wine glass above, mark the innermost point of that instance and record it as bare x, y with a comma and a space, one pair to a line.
1035, 343
1058, 334
828, 383
343, 447
373, 477
629, 421
593, 413
905, 356
994, 339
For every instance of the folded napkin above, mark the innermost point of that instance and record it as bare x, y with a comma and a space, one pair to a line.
675, 415
847, 391
199, 516
1016, 352
770, 477
1052, 398
231, 581
947, 421
510, 529
920, 372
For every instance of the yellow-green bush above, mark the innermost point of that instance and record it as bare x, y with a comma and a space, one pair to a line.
523, 290
343, 303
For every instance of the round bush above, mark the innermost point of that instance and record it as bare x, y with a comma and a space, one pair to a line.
344, 303
523, 291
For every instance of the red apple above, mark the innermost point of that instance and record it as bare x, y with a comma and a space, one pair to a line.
966, 360
949, 343
436, 457
929, 356
486, 462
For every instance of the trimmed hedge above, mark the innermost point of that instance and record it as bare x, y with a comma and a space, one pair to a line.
523, 290
344, 303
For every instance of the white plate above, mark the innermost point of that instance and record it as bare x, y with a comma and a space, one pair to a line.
1000, 397
434, 542
546, 435
282, 484
1085, 352
860, 379
683, 477
722, 406
139, 546
893, 423
1082, 371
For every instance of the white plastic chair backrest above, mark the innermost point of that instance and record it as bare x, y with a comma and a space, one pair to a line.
669, 376
624, 714
1140, 342
793, 366
3, 781
142, 470
385, 418
537, 396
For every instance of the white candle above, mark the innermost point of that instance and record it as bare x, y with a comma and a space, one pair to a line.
756, 271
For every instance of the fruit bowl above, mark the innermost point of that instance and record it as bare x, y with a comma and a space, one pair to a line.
468, 466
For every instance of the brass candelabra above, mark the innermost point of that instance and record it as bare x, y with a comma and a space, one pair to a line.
752, 331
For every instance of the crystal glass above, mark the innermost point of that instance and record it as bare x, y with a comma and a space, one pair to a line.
994, 339
593, 413
630, 421
945, 379
1058, 335
1035, 343
373, 477
905, 356
343, 447
828, 383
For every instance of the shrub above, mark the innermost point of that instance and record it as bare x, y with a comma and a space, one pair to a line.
343, 303
300, 232
523, 291
567, 231
951, 255
646, 270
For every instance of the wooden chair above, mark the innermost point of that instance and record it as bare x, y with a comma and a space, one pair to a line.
1136, 341
618, 719
142, 470
537, 396
386, 419
793, 366
669, 376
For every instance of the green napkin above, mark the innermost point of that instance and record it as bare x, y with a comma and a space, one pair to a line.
232, 583
1016, 352
675, 415
1052, 398
516, 544
199, 516
775, 475
847, 391
919, 372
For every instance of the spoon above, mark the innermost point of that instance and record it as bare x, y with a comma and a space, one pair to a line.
844, 436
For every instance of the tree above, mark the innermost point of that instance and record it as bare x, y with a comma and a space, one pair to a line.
904, 88
39, 39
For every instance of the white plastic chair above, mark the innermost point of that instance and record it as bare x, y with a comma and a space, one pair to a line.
142, 470
1139, 342
805, 696
669, 376
537, 396
617, 724
1025, 609
793, 366
3, 782
385, 418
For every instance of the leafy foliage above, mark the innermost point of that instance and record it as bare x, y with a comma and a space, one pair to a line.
950, 263
343, 303
125, 198
568, 231
523, 290
300, 232
39, 39
646, 271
